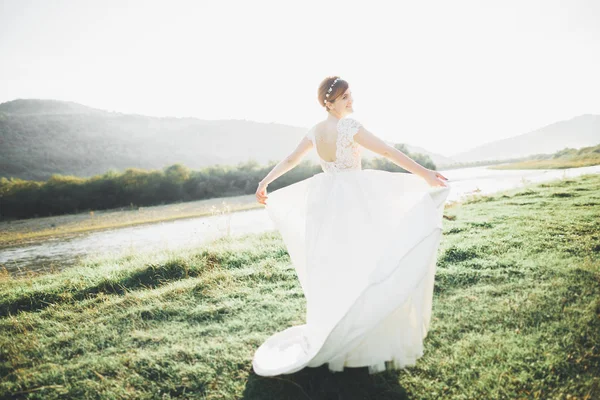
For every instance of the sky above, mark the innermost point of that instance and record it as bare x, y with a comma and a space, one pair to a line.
444, 75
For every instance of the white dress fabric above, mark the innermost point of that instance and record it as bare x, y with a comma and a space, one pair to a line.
364, 246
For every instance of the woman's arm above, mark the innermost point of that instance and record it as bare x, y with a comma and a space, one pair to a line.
376, 145
282, 167
289, 162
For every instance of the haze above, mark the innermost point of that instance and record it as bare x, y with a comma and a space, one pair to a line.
446, 76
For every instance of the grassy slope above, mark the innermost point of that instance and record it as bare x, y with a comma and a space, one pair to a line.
516, 310
566, 158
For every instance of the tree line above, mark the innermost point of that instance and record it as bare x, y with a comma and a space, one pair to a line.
63, 194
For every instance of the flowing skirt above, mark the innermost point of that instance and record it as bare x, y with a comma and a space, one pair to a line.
364, 246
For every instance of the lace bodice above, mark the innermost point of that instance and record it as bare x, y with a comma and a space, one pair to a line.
348, 152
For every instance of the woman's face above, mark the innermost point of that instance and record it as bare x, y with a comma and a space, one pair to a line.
343, 104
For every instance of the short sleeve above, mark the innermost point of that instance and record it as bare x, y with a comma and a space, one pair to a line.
348, 127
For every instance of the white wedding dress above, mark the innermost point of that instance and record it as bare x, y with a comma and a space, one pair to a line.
364, 246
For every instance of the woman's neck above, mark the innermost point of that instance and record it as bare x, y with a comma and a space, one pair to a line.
334, 118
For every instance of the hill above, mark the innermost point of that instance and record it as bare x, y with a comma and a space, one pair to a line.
39, 138
577, 132
565, 158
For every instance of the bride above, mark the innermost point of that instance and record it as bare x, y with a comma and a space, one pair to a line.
364, 246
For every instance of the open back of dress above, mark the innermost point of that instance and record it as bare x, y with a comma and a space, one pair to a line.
364, 245
348, 152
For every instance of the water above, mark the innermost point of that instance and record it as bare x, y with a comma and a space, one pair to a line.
481, 180
60, 253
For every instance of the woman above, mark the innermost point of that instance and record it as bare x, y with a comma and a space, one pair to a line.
364, 246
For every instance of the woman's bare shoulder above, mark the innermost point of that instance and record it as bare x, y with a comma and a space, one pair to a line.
324, 125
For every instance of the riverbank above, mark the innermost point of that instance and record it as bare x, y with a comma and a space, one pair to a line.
26, 231
565, 158
515, 314
549, 164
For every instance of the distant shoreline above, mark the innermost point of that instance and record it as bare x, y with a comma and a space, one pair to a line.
565, 158
549, 164
33, 230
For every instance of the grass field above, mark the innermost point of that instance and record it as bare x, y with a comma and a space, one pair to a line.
515, 315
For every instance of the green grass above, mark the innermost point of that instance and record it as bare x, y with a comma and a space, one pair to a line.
565, 158
515, 315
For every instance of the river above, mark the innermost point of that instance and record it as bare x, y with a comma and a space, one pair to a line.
59, 253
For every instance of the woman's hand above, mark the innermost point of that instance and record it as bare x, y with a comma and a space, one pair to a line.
434, 178
261, 193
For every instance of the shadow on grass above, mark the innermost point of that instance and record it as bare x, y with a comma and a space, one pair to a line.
148, 277
320, 384
455, 254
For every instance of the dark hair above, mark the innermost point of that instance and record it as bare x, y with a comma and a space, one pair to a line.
338, 89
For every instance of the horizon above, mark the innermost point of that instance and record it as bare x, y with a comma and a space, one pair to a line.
294, 126
455, 76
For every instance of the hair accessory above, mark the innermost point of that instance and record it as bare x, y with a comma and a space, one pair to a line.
330, 88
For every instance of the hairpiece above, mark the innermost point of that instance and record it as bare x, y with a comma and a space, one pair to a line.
330, 88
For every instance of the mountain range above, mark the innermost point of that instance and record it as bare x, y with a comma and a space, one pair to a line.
39, 138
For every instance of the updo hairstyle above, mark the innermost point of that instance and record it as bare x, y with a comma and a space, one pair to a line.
338, 89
